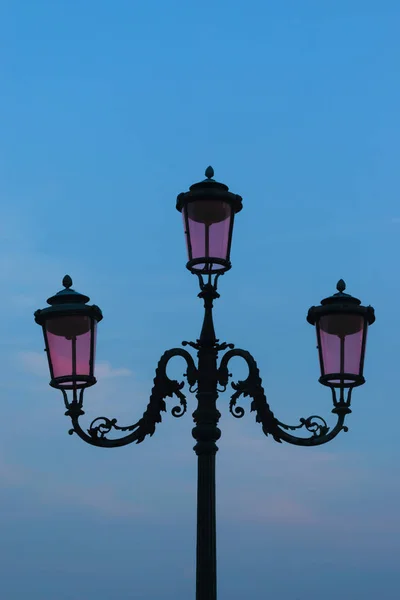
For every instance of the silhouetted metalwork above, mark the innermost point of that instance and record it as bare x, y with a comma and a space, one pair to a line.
69, 327
163, 388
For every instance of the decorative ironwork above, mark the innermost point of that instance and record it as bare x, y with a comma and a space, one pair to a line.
317, 429
252, 387
212, 280
163, 388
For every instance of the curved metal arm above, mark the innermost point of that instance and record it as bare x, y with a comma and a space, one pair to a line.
163, 387
252, 386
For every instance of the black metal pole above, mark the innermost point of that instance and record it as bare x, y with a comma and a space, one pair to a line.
206, 434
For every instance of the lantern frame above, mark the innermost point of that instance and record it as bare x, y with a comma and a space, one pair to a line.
341, 303
68, 303
208, 190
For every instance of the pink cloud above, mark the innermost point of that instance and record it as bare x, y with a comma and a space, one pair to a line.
251, 506
100, 498
13, 475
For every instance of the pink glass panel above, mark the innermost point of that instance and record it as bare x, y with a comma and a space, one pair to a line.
335, 329
94, 345
209, 227
60, 335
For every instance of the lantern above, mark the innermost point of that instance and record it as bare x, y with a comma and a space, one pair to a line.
208, 211
69, 329
341, 324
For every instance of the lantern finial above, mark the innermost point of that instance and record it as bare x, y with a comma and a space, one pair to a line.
67, 282
341, 286
209, 173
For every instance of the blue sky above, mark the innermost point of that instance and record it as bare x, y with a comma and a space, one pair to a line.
107, 111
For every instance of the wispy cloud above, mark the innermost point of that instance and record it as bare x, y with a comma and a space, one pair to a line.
33, 362
249, 505
100, 498
105, 371
269, 483
52, 492
36, 364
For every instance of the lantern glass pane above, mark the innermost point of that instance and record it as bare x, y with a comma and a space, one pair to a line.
69, 343
209, 226
341, 337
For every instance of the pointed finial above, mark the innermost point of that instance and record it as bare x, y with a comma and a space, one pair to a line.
341, 286
209, 173
67, 282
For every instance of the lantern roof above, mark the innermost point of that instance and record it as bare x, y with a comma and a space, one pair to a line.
67, 295
341, 302
67, 302
209, 189
341, 296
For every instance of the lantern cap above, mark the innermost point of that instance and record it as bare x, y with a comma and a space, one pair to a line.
68, 295
67, 302
341, 296
209, 182
209, 189
340, 303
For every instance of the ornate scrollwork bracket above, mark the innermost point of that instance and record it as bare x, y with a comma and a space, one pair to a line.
252, 387
163, 388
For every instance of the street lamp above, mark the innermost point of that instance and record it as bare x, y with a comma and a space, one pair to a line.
69, 329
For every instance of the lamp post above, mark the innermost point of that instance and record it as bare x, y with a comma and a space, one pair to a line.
69, 328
